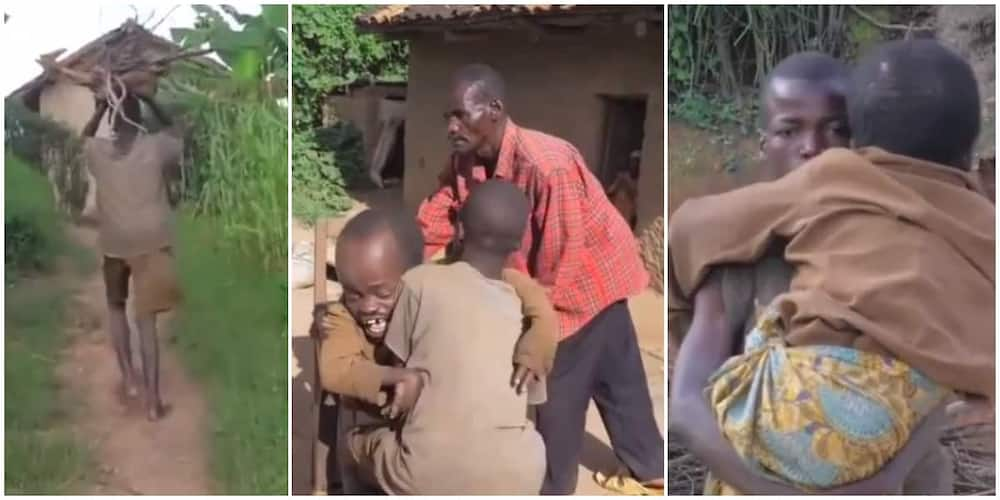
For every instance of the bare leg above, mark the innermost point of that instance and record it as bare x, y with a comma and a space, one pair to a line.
120, 340
150, 366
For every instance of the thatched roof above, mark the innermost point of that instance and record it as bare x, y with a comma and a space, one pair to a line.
128, 41
406, 18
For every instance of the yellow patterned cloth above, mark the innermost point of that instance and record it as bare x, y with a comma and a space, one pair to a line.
815, 417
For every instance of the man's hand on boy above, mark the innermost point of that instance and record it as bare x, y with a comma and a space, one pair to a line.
522, 376
405, 394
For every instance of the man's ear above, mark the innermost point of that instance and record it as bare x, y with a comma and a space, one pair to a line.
496, 109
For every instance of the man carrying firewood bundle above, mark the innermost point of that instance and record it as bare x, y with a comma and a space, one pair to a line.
135, 219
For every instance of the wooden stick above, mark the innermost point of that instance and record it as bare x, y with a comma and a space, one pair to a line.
319, 297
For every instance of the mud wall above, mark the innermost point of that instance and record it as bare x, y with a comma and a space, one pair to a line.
553, 85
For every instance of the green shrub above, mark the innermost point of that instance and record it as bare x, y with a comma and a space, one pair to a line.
32, 237
236, 168
317, 181
50, 147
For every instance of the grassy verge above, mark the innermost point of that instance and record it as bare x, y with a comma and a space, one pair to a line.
41, 454
232, 334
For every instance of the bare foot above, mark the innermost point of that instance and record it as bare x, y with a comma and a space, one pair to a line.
157, 412
128, 391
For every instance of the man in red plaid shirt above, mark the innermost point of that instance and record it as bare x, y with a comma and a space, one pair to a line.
578, 246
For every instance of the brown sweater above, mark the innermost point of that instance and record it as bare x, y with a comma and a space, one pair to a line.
891, 255
348, 364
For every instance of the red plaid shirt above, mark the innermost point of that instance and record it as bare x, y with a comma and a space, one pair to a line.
576, 245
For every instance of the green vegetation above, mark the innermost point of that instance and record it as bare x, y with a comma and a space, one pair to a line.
232, 333
325, 162
238, 172
41, 454
232, 244
257, 50
329, 53
719, 55
48, 147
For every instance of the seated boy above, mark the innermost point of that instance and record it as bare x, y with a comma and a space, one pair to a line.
875, 237
464, 430
373, 251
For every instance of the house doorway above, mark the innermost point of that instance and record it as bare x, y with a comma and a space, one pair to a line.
624, 126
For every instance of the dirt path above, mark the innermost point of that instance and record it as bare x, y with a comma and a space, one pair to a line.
133, 456
647, 313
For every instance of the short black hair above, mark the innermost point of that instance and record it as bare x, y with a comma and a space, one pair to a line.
494, 217
915, 98
402, 226
487, 81
812, 67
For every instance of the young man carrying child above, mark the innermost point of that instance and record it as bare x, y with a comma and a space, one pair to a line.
876, 238
803, 113
373, 251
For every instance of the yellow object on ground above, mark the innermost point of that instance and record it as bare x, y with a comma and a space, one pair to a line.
625, 485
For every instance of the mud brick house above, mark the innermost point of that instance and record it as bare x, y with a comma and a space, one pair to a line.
592, 75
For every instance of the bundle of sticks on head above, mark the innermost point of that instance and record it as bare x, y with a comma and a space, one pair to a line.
121, 74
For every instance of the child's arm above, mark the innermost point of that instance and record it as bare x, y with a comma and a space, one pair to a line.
536, 349
734, 227
343, 367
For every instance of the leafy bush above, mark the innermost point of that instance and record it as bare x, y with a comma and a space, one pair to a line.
238, 171
32, 237
328, 52
346, 143
317, 181
258, 50
50, 147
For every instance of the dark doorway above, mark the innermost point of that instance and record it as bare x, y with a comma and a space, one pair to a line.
624, 124
393, 172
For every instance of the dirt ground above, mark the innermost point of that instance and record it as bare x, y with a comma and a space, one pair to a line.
647, 312
133, 456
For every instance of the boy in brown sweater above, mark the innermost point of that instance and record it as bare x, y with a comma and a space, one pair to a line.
373, 251
877, 237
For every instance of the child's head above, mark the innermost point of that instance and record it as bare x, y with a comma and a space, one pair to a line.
916, 98
373, 251
493, 219
803, 110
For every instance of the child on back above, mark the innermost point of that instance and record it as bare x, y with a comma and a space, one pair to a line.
373, 251
859, 351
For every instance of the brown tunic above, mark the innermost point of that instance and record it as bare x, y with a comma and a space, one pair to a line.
347, 363
891, 254
468, 432
134, 212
